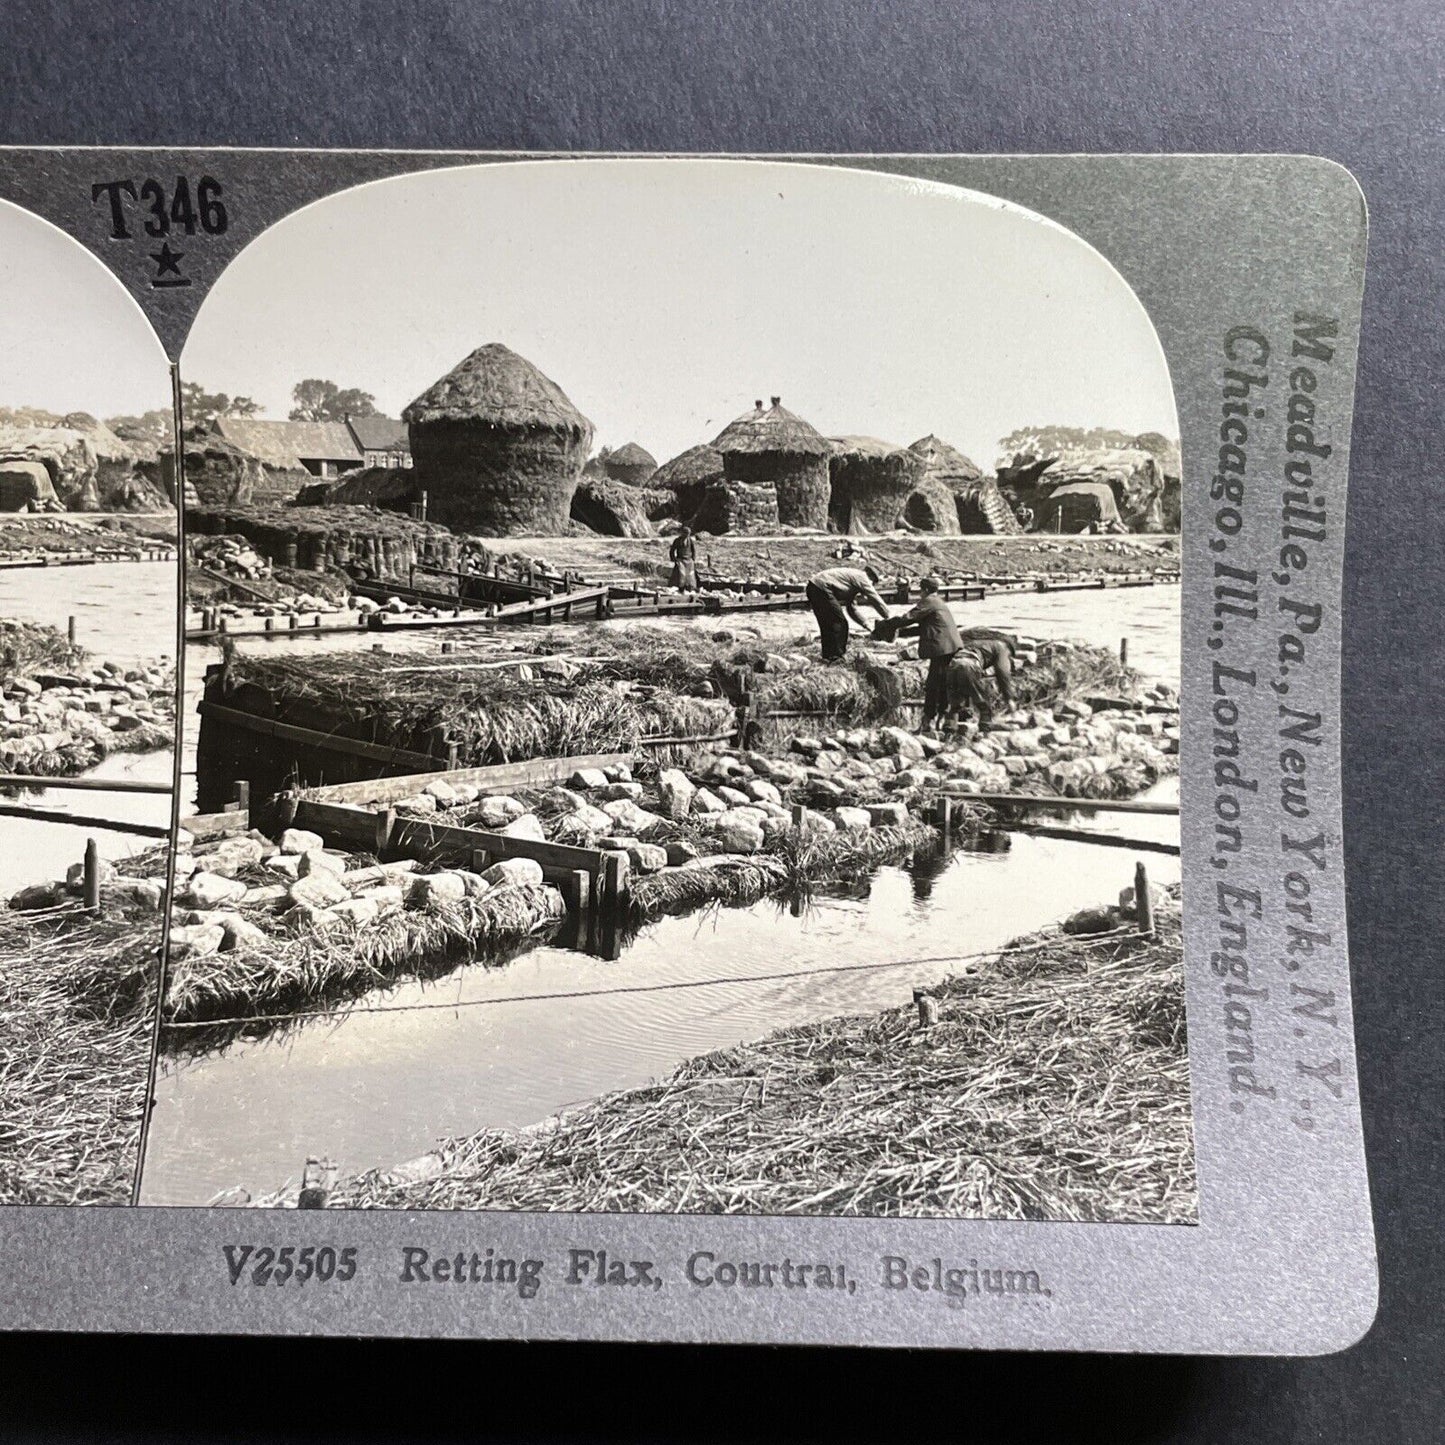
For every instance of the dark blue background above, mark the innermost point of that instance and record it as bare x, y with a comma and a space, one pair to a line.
1360, 83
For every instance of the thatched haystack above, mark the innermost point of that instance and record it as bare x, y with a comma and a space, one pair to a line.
778, 449
25, 486
689, 476
88, 464
974, 503
218, 472
871, 481
617, 510
394, 488
632, 464
498, 446
1079, 505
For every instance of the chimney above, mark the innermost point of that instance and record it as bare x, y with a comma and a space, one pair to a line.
758, 408
777, 401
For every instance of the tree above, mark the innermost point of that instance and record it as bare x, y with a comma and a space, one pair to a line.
318, 400
200, 407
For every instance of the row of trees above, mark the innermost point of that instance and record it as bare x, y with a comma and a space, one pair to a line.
314, 399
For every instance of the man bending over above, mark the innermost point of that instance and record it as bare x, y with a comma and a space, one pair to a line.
834, 595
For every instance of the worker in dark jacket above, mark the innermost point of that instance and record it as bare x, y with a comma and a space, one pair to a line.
834, 595
938, 645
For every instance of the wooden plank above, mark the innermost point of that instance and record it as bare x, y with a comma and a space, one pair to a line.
53, 815
498, 778
82, 785
331, 742
554, 857
338, 822
1083, 835
203, 826
1081, 805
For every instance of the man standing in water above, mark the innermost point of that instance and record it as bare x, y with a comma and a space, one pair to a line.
834, 595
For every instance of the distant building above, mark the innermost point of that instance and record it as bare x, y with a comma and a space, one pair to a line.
324, 448
382, 439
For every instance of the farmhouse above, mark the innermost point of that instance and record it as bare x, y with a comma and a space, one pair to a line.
323, 448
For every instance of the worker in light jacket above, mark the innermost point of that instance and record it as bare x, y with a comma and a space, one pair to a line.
834, 595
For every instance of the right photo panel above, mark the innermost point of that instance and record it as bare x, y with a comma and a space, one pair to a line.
680, 708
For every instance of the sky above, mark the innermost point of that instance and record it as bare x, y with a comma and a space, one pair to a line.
664, 296
71, 337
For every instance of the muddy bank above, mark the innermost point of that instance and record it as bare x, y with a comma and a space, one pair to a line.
1045, 1081
116, 539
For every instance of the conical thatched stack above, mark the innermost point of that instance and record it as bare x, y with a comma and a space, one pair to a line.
978, 505
871, 482
498, 447
777, 449
632, 464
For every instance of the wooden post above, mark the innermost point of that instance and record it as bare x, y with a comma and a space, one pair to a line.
616, 894
449, 647
576, 890
92, 875
286, 806
799, 813
927, 1007
317, 1180
385, 820
943, 818
1123, 652
1143, 902
70, 631
243, 799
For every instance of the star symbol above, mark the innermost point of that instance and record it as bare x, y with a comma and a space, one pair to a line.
168, 262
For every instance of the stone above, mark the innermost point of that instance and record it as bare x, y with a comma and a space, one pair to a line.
676, 792
211, 890
357, 911
475, 884
627, 817
296, 841
853, 820
617, 773
144, 892
105, 872
761, 792
528, 826
733, 797
582, 825
185, 865
680, 852
738, 833
196, 941
318, 860
808, 747
417, 803
826, 794
887, 815
288, 865
585, 778
39, 895
496, 812
443, 792
960, 787
514, 873
647, 857
240, 933
818, 824
612, 792
708, 803
319, 890
436, 890
905, 744
264, 896
1092, 920
310, 918
1015, 767
784, 773
388, 897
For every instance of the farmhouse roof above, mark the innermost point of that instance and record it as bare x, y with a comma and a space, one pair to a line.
378, 433
287, 444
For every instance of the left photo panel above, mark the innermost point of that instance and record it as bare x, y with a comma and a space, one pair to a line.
89, 582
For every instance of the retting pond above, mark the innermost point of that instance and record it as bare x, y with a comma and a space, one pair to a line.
125, 613
381, 1082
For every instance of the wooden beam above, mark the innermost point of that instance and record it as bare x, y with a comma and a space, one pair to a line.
215, 825
82, 785
554, 857
331, 742
54, 815
498, 778
1080, 805
1083, 835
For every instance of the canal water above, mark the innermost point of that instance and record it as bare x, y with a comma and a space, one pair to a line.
381, 1082
124, 612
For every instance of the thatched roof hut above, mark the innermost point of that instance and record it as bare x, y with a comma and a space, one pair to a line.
871, 481
778, 449
498, 446
1079, 505
945, 460
631, 464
